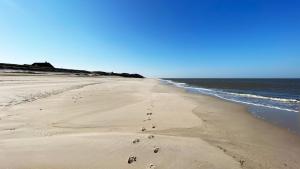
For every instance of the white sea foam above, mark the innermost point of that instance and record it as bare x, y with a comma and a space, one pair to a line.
264, 97
256, 104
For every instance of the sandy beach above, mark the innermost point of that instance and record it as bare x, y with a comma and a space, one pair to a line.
65, 122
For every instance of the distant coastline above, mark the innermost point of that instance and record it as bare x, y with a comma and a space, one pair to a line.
47, 67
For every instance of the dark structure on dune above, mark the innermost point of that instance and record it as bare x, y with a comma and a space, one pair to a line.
43, 65
48, 67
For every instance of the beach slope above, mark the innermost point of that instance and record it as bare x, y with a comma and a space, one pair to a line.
84, 122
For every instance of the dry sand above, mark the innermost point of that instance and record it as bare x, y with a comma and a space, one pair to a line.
61, 122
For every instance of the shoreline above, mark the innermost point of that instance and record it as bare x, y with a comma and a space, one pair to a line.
247, 111
94, 127
263, 129
271, 115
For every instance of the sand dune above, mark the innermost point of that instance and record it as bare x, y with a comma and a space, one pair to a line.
85, 122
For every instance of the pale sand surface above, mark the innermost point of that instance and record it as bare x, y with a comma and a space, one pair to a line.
60, 122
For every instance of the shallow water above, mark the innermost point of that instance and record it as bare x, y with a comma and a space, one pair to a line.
274, 100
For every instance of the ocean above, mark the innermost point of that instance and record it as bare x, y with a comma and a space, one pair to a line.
274, 100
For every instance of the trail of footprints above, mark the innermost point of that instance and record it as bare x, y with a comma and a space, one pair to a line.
76, 98
156, 149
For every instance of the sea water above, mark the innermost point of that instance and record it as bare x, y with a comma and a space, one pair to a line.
274, 100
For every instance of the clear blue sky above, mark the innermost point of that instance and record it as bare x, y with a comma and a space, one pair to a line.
157, 38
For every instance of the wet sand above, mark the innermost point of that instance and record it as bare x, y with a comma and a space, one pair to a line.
85, 122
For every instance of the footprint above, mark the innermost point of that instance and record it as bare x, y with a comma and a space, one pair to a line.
143, 129
242, 162
131, 159
156, 149
136, 141
152, 166
150, 136
153, 126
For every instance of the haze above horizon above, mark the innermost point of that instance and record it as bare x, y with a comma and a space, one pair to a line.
156, 38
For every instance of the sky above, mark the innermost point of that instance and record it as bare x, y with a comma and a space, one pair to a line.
156, 38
